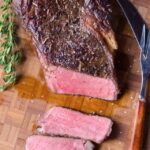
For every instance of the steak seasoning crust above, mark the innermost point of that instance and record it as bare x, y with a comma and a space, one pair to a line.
72, 34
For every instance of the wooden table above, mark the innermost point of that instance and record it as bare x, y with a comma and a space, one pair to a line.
21, 105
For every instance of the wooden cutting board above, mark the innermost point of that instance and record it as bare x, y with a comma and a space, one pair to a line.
21, 106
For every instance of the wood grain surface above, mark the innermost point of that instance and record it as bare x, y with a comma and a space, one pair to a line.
23, 104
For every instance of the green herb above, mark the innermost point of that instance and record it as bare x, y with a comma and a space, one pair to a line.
3, 88
9, 56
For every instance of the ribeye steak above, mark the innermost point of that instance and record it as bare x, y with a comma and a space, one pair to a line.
37, 142
75, 44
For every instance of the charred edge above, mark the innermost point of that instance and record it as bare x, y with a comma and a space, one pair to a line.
102, 10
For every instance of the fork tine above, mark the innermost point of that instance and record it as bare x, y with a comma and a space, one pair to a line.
148, 42
142, 42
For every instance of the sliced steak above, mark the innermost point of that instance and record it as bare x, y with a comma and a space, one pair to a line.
37, 142
64, 122
61, 80
73, 40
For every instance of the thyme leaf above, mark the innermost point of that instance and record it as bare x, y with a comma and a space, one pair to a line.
9, 56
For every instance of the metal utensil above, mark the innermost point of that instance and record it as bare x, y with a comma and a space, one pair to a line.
142, 34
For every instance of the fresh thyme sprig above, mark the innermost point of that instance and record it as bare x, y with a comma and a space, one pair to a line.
9, 56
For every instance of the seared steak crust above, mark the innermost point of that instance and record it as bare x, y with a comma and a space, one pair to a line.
62, 37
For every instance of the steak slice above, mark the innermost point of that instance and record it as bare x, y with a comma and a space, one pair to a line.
62, 80
37, 142
64, 122
74, 41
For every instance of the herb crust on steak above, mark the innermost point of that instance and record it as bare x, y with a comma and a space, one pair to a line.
59, 34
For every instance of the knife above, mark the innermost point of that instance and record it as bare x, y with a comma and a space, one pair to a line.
142, 35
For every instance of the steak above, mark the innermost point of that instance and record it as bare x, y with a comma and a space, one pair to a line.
37, 142
64, 122
75, 43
